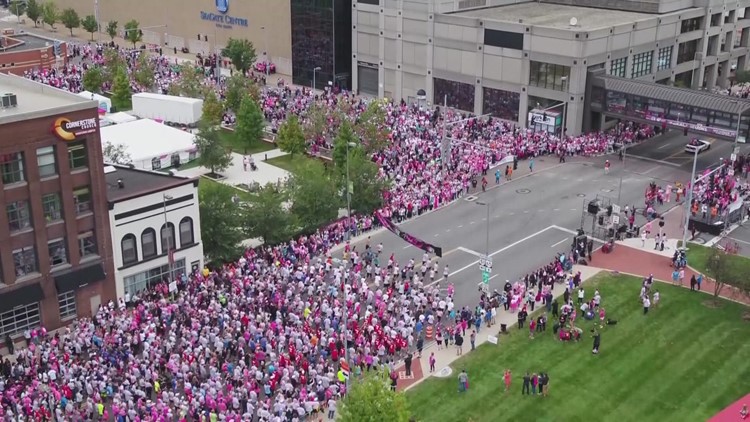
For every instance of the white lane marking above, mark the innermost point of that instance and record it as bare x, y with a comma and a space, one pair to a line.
516, 243
650, 170
447, 230
460, 226
526, 211
559, 242
511, 213
654, 160
472, 222
556, 209
436, 235
664, 146
469, 251
573, 209
406, 247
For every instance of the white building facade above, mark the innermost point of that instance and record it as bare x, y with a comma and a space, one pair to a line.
507, 58
155, 232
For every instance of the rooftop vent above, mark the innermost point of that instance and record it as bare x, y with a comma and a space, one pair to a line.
9, 100
120, 183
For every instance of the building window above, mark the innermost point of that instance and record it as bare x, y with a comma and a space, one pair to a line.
186, 232
148, 243
618, 67
82, 199
549, 76
129, 250
87, 245
459, 95
167, 237
687, 51
25, 261
58, 253
155, 163
642, 64
77, 156
689, 25
19, 215
67, 303
45, 160
665, 58
19, 319
12, 165
52, 207
138, 282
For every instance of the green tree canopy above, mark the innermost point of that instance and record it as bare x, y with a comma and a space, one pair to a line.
90, 25
290, 137
365, 185
18, 7
190, 83
121, 93
112, 29
133, 32
213, 110
315, 199
726, 269
241, 52
70, 19
116, 154
316, 124
372, 400
33, 11
372, 128
238, 87
345, 140
221, 225
212, 153
266, 216
93, 79
50, 14
145, 71
250, 123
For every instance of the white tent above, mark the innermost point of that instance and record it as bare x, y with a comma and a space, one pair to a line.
119, 118
104, 102
151, 145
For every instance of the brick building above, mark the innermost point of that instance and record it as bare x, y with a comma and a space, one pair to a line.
56, 263
22, 52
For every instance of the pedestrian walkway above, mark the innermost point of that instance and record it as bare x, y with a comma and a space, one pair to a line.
236, 175
732, 412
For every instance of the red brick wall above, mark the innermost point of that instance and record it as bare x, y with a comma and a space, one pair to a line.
17, 62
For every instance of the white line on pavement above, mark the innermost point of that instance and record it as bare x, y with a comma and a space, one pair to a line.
472, 222
460, 226
739, 240
556, 209
664, 146
559, 242
406, 247
469, 251
654, 160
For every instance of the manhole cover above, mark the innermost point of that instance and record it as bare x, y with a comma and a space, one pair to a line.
523, 191
445, 372
607, 190
564, 197
471, 198
581, 195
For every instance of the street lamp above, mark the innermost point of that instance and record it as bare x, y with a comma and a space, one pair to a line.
314, 70
487, 235
166, 198
689, 200
735, 149
268, 62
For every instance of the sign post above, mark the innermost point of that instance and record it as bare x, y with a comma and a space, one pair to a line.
485, 266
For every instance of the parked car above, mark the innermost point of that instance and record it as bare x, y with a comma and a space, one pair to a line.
699, 145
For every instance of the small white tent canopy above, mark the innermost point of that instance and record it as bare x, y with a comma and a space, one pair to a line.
151, 145
104, 102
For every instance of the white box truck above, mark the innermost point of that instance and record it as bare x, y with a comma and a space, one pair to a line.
169, 108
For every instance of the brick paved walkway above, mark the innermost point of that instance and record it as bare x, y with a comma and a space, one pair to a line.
732, 412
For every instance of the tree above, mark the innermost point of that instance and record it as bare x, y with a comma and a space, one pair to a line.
311, 191
145, 71
316, 124
373, 400
112, 30
50, 14
132, 32
116, 154
250, 123
18, 7
742, 76
70, 19
93, 79
237, 88
213, 110
221, 227
113, 62
212, 153
372, 128
121, 93
190, 83
366, 186
345, 140
90, 25
265, 216
290, 137
33, 11
241, 52
724, 269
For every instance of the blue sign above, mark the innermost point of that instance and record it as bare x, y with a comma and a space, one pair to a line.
222, 19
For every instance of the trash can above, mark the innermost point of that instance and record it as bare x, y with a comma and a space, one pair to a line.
504, 328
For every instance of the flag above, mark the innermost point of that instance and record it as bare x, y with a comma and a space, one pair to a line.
421, 244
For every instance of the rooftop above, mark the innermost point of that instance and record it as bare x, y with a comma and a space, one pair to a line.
30, 42
555, 15
37, 100
136, 183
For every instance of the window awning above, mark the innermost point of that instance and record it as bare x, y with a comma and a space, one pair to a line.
21, 296
79, 277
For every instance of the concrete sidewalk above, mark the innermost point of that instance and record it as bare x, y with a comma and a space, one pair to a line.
236, 175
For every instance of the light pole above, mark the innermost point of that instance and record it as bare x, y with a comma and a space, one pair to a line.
689, 200
166, 198
564, 79
313, 84
268, 62
622, 172
735, 149
96, 17
348, 193
485, 265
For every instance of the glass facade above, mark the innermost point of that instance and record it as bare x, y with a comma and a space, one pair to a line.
141, 281
665, 58
642, 64
321, 38
459, 95
20, 318
501, 104
618, 67
549, 76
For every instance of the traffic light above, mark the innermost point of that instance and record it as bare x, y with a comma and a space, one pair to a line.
685, 131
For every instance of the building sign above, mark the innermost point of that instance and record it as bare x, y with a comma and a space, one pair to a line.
222, 18
659, 119
541, 119
70, 130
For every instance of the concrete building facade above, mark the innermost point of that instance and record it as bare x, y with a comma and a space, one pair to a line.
56, 263
513, 59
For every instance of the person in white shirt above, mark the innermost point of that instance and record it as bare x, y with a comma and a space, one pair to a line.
646, 304
656, 298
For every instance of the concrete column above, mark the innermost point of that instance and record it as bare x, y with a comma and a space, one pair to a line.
355, 68
478, 98
381, 55
399, 94
742, 63
430, 31
574, 116
712, 73
724, 78
523, 109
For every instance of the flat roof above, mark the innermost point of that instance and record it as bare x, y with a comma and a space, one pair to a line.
555, 15
145, 139
36, 100
175, 98
137, 182
30, 42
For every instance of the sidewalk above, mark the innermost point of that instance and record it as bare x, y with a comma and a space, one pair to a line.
236, 175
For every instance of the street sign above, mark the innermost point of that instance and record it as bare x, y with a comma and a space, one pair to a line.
485, 264
485, 277
615, 209
615, 219
733, 157
736, 150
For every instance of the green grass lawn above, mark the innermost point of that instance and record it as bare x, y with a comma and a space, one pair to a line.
683, 361
292, 164
698, 258
231, 142
206, 181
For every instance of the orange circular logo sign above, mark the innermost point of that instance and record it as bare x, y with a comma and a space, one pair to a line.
69, 130
60, 129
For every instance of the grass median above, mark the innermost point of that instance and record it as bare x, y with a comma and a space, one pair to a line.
681, 362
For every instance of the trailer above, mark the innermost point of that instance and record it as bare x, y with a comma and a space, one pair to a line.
168, 108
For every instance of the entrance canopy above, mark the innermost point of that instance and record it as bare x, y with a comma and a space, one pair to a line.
695, 111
